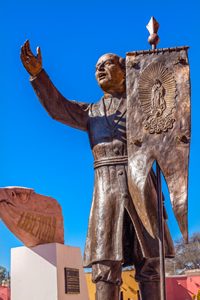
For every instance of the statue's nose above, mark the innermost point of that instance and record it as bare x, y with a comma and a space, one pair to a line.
100, 67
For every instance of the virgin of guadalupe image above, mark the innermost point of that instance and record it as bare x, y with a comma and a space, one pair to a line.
158, 98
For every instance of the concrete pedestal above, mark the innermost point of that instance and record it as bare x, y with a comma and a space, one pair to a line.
39, 273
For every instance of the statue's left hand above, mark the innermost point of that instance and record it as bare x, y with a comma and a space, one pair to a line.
32, 63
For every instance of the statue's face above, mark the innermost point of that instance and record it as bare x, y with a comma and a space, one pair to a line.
110, 74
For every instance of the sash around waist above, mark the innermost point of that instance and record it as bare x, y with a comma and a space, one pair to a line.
109, 161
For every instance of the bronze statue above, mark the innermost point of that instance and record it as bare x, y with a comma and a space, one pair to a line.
116, 236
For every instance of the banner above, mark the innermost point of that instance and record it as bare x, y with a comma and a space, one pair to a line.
158, 128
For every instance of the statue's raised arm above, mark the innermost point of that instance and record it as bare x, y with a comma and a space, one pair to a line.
71, 113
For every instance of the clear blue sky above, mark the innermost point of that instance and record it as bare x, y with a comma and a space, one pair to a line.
54, 159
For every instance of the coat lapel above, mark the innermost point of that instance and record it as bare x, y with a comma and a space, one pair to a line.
120, 111
98, 109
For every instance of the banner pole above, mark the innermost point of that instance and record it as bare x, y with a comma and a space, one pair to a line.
153, 40
161, 233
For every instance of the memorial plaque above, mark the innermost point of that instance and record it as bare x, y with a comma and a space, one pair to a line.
72, 281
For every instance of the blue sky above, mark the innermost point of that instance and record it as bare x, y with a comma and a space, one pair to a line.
52, 158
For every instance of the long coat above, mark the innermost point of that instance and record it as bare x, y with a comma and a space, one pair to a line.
114, 226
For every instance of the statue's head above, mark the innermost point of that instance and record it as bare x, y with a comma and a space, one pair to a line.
110, 73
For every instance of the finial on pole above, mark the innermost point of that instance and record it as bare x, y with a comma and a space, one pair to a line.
153, 27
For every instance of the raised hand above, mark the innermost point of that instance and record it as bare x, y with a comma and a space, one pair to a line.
32, 63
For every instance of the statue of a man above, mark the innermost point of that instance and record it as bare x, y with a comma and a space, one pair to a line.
115, 235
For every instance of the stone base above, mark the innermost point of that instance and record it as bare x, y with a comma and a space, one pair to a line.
39, 273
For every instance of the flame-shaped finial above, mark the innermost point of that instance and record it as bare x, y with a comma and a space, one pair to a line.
153, 27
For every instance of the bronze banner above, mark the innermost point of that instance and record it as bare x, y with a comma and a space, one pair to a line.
158, 128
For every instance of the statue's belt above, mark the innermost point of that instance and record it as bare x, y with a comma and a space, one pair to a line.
109, 161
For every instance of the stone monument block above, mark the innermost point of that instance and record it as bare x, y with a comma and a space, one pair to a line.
51, 271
